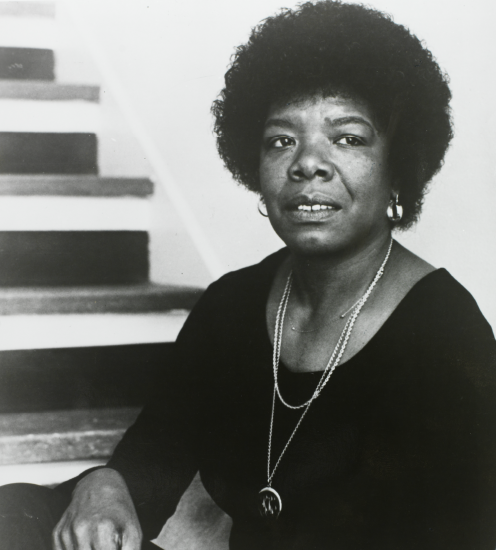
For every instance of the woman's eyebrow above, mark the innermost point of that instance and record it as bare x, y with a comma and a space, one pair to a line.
349, 120
279, 122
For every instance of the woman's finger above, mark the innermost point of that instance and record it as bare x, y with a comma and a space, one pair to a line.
131, 539
107, 536
62, 538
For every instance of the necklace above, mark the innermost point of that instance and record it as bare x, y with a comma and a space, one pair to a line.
342, 316
270, 502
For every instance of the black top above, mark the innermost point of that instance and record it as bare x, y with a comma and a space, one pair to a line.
398, 452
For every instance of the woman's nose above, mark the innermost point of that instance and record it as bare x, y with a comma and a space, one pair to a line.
311, 162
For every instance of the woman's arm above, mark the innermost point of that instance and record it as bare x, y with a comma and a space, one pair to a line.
157, 458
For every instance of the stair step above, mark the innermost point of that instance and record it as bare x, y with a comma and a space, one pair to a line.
73, 258
144, 298
24, 332
48, 91
27, 9
74, 185
62, 435
48, 474
47, 153
76, 378
29, 32
74, 214
27, 63
29, 115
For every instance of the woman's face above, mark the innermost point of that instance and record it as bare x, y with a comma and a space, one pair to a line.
324, 174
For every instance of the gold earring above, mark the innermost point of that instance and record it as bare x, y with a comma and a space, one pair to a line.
261, 204
394, 209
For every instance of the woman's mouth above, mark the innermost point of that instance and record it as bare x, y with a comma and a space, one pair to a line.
315, 207
314, 212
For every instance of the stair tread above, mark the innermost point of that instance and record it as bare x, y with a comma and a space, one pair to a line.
48, 152
66, 421
138, 298
74, 185
48, 91
62, 435
27, 9
73, 258
27, 63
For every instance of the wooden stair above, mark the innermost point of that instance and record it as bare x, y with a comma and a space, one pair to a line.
76, 185
138, 298
51, 436
83, 331
27, 63
48, 91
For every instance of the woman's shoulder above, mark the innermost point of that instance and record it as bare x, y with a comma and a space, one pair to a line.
431, 299
440, 305
240, 292
250, 278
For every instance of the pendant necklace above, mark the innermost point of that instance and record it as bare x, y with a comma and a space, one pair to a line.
270, 501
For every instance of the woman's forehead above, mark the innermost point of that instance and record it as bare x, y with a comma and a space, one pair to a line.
300, 108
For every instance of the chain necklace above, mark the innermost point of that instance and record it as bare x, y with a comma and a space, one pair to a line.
270, 505
342, 316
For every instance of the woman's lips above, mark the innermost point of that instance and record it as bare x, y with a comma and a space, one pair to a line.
315, 207
313, 212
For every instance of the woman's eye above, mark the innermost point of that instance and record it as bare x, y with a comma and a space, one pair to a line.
281, 142
349, 140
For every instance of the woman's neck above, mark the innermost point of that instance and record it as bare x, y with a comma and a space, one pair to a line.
336, 279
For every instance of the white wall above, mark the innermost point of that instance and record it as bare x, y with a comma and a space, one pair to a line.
170, 56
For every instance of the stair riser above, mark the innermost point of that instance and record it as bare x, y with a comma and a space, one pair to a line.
28, 32
48, 474
81, 378
27, 64
45, 153
74, 214
27, 9
24, 332
49, 116
39, 258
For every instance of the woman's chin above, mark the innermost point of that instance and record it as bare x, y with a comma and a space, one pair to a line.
314, 244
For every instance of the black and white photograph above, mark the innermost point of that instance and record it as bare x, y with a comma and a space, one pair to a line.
247, 275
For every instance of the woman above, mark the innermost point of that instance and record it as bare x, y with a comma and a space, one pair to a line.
341, 393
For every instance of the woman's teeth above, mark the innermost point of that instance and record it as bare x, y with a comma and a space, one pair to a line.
314, 207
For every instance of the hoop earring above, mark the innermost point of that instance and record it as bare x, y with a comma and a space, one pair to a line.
261, 203
394, 210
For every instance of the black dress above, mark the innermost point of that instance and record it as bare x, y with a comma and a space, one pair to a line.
398, 452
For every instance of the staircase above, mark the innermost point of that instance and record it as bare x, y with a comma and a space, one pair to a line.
85, 235
83, 330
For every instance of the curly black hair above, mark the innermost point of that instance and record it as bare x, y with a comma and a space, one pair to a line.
330, 47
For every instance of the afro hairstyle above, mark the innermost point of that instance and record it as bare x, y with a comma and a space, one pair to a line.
330, 48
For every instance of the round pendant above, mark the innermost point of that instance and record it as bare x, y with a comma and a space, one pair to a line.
270, 504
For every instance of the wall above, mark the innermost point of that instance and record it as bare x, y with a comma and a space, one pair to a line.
170, 57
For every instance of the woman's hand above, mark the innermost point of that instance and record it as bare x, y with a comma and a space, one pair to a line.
101, 516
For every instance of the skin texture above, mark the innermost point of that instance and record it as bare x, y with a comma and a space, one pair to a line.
101, 516
329, 150
325, 150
